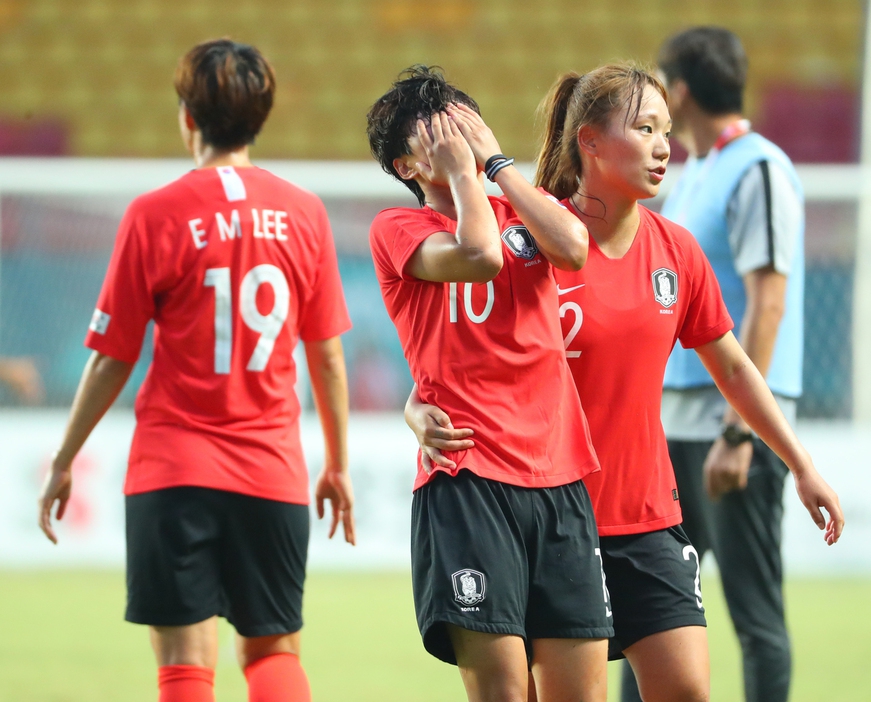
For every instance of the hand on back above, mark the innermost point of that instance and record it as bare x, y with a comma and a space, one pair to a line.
434, 432
447, 151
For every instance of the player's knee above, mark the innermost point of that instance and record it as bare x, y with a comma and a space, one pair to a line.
252, 648
194, 645
685, 689
679, 695
692, 691
699, 692
493, 688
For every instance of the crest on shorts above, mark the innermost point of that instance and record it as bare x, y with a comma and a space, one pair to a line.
469, 586
520, 241
664, 286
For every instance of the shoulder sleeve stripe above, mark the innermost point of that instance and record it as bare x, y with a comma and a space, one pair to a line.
769, 221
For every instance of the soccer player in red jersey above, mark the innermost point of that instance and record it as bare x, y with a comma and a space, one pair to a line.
646, 285
234, 265
505, 558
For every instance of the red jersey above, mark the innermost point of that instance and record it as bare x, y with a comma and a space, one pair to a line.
488, 354
234, 266
620, 320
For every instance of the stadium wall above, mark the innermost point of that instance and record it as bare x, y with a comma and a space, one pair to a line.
382, 451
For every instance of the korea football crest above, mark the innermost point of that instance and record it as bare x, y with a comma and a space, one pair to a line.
469, 587
520, 241
664, 286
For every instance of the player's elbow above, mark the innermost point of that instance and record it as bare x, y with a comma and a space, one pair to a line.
108, 366
483, 265
574, 247
572, 260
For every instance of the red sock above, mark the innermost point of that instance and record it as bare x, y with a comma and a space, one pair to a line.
186, 683
277, 678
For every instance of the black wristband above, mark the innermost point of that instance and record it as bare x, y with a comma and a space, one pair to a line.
491, 174
490, 161
735, 436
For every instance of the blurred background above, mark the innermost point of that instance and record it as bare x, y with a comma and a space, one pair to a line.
88, 121
93, 78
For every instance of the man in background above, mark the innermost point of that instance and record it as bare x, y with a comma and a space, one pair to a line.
740, 197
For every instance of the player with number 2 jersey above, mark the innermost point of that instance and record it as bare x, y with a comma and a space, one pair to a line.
621, 317
646, 285
235, 266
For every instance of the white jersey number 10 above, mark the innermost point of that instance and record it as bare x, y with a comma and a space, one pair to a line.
467, 303
267, 325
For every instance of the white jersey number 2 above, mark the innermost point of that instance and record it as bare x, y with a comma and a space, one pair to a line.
576, 327
697, 583
267, 325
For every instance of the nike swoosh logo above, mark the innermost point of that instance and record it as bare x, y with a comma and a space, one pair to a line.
561, 291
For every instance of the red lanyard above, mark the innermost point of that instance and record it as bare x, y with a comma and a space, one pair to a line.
733, 131
738, 128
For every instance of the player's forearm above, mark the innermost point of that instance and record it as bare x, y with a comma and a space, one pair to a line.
748, 394
102, 380
478, 256
412, 405
326, 364
561, 236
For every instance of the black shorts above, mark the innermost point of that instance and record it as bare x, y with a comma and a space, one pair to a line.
501, 559
653, 580
193, 553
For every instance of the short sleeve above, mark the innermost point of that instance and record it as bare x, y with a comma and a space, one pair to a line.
764, 218
325, 314
396, 235
706, 318
125, 305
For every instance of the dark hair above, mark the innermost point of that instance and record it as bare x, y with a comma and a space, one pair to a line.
712, 62
228, 89
418, 93
575, 101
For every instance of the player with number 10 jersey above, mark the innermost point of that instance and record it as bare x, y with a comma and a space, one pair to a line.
491, 352
503, 544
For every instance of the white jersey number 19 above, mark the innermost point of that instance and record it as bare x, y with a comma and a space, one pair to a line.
267, 325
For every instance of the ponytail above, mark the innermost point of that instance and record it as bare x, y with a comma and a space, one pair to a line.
558, 163
579, 100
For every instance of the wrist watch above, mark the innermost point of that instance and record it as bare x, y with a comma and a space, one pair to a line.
734, 436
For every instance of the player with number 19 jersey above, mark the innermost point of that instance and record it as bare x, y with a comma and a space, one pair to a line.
488, 354
621, 318
234, 265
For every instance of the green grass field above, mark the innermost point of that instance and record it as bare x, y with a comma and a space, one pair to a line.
63, 639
